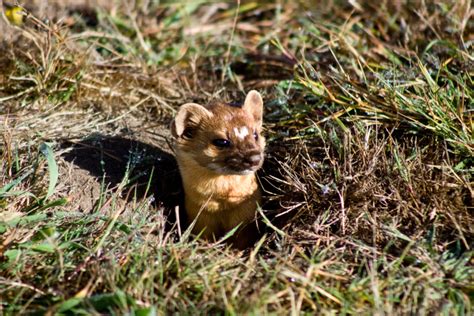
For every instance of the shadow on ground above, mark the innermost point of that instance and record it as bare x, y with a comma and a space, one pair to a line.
152, 171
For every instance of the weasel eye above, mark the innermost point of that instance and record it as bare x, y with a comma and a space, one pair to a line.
255, 135
188, 133
221, 143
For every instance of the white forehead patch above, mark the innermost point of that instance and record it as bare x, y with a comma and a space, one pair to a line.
241, 132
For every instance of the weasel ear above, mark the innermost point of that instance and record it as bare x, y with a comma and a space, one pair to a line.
189, 116
254, 105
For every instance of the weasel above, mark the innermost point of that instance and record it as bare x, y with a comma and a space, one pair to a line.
219, 148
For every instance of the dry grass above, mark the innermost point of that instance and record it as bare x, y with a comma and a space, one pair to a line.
369, 170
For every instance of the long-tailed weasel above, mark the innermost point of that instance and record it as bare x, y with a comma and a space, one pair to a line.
219, 147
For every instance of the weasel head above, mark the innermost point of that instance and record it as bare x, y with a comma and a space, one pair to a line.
222, 138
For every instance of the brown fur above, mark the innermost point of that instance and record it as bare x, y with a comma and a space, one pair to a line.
221, 188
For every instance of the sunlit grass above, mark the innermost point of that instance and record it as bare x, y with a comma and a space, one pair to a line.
369, 177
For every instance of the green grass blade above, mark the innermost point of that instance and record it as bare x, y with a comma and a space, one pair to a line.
14, 183
46, 150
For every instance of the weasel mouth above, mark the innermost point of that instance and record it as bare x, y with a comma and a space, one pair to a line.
239, 172
232, 170
237, 165
242, 171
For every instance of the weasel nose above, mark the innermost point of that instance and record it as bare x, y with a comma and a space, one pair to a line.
253, 160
